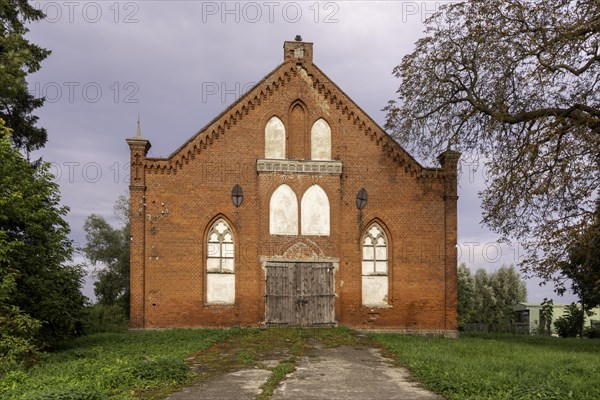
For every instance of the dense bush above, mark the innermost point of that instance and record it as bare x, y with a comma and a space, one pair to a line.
17, 332
17, 329
99, 318
570, 324
592, 332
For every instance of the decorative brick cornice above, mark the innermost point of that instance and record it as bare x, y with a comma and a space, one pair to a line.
432, 173
299, 167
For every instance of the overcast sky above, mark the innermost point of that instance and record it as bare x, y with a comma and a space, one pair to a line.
178, 64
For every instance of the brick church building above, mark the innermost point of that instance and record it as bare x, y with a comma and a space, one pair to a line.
293, 207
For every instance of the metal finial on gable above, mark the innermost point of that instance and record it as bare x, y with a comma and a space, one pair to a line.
298, 38
139, 131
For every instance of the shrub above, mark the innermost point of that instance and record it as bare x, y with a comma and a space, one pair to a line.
592, 332
99, 318
570, 324
17, 338
18, 330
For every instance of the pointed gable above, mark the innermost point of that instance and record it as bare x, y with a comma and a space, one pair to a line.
297, 65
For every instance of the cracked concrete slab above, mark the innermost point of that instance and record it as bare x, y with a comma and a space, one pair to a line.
243, 384
349, 373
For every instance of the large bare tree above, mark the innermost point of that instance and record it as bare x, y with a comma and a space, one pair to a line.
514, 84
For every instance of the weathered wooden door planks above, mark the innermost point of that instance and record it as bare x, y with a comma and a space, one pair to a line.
299, 293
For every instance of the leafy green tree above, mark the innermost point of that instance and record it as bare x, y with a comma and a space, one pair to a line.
484, 297
19, 58
489, 298
514, 85
508, 289
570, 324
583, 265
107, 248
36, 280
466, 295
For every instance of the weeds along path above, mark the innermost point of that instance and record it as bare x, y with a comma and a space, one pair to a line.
295, 363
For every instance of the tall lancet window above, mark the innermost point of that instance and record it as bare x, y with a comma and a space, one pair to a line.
283, 212
275, 139
320, 140
315, 212
220, 265
375, 267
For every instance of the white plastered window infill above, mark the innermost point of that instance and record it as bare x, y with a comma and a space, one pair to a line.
315, 212
320, 140
275, 139
283, 212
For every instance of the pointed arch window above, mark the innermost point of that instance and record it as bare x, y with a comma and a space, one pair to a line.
220, 264
315, 212
375, 267
283, 212
275, 139
320, 141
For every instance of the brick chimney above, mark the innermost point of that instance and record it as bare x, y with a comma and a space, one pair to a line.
298, 52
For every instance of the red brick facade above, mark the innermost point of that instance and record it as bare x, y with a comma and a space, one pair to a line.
176, 200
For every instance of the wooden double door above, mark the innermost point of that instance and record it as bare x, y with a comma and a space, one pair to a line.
299, 293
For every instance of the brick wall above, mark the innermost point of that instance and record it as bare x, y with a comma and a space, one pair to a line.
176, 199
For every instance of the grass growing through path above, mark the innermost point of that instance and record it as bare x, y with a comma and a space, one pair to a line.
279, 373
112, 365
259, 348
501, 366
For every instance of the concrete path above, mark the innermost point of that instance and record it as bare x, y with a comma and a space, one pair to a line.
244, 384
344, 373
349, 373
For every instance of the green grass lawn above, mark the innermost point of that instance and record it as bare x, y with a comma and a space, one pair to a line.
501, 366
152, 363
112, 365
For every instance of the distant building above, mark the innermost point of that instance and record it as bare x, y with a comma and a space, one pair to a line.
293, 207
528, 316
